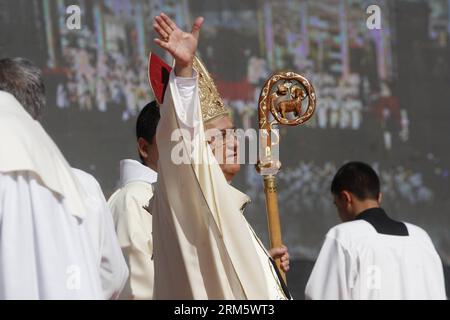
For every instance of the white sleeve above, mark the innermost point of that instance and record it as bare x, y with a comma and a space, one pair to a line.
187, 111
113, 268
331, 276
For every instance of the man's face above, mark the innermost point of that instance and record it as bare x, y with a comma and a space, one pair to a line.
224, 145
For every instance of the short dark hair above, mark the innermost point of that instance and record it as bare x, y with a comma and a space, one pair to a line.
147, 122
358, 178
21, 78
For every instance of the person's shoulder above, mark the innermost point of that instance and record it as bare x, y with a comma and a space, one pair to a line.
415, 229
137, 191
137, 186
92, 189
421, 239
86, 179
418, 233
349, 231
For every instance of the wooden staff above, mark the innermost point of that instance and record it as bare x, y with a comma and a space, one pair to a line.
273, 216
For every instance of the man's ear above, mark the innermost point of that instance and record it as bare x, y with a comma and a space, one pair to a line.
380, 198
143, 148
346, 196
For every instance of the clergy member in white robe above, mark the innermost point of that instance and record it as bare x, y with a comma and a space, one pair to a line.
56, 242
371, 256
203, 246
134, 226
56, 235
100, 226
130, 207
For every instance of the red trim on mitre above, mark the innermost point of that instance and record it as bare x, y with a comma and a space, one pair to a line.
158, 76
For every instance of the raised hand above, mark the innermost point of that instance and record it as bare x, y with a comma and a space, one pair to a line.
181, 45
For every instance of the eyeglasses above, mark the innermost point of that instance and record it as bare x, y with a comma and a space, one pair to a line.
223, 135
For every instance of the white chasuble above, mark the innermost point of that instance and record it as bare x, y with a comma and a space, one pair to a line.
203, 246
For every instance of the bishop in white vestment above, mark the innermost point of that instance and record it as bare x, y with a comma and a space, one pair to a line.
203, 246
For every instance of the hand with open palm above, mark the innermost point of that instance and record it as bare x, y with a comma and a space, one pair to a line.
181, 45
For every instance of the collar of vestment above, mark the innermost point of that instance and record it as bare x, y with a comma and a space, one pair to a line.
134, 171
26, 147
382, 223
241, 199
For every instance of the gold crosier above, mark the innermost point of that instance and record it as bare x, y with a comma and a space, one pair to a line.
282, 102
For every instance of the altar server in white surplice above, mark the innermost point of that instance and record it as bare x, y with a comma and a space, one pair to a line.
130, 207
371, 256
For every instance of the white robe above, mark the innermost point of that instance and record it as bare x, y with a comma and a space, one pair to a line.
203, 245
55, 242
134, 226
357, 263
100, 226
